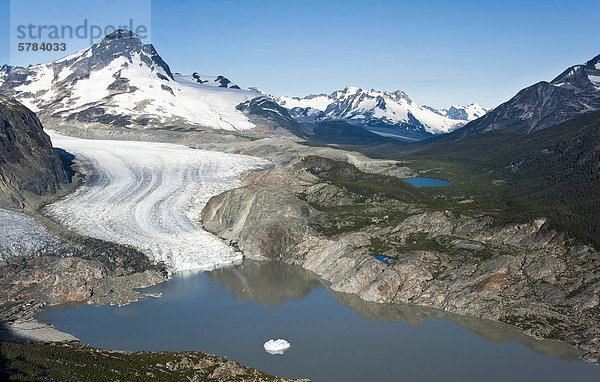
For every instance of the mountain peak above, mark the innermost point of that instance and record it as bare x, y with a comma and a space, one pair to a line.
573, 92
581, 78
258, 90
122, 82
382, 112
125, 43
120, 34
594, 63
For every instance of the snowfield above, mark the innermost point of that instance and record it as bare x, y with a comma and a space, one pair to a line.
150, 195
121, 77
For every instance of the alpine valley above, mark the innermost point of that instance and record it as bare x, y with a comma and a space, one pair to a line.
154, 173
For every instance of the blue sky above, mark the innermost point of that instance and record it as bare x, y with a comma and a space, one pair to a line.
438, 52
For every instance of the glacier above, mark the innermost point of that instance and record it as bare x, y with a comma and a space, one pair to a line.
150, 196
22, 235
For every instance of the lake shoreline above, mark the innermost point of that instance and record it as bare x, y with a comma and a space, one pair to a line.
232, 311
279, 214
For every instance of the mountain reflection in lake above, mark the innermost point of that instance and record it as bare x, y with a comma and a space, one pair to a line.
269, 282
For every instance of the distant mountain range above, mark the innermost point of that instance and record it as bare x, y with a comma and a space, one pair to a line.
121, 82
387, 114
462, 113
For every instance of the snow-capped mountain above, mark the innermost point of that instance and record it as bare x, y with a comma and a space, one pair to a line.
122, 82
462, 113
575, 91
388, 114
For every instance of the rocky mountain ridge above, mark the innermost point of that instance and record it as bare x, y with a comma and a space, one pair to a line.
575, 91
218, 81
386, 113
461, 112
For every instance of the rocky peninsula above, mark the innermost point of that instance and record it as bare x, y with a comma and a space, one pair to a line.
333, 219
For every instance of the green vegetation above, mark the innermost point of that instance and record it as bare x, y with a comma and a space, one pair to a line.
511, 177
450, 245
382, 199
365, 186
552, 173
514, 178
349, 218
375, 199
76, 362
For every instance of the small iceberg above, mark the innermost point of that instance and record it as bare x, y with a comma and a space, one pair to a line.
276, 346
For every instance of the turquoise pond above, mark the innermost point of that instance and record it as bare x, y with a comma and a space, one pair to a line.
427, 182
233, 311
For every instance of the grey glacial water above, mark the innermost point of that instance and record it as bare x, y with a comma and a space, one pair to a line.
334, 337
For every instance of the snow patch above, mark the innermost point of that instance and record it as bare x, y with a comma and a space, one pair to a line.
95, 87
595, 80
319, 102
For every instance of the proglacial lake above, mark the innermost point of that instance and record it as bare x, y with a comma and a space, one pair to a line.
334, 337
427, 182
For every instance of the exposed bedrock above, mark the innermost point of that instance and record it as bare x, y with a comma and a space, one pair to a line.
29, 167
521, 274
39, 268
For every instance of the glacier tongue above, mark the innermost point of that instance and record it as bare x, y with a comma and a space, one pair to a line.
150, 195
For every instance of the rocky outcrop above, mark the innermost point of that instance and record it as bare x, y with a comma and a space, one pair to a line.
521, 274
29, 167
29, 284
38, 268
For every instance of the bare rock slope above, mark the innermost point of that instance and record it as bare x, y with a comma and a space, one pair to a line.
29, 167
521, 274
